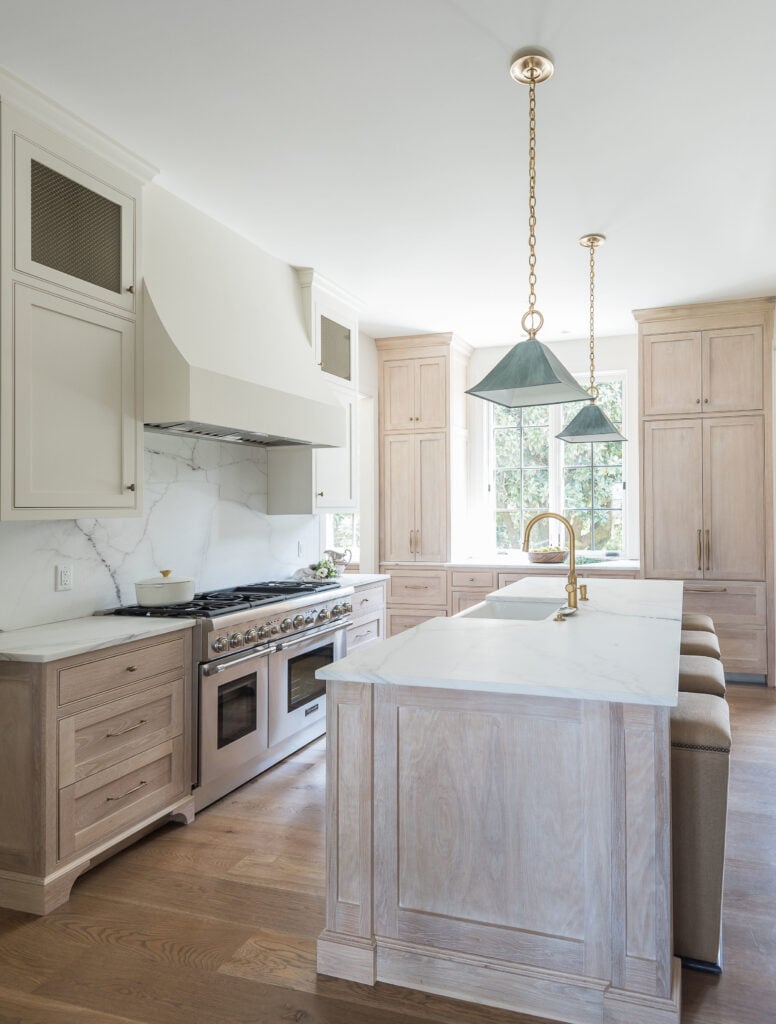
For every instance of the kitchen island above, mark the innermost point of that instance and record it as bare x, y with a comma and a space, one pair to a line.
498, 805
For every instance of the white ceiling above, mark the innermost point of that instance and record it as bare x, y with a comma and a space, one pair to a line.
384, 144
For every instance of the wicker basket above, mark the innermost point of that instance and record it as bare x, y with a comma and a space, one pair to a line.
547, 557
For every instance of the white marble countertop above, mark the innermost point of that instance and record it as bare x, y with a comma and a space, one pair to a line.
56, 640
621, 646
520, 563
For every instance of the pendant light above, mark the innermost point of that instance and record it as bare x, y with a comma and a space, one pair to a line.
530, 374
591, 423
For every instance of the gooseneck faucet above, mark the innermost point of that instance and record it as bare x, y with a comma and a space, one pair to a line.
571, 586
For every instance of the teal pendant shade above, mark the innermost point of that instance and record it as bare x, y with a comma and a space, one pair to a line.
529, 374
591, 424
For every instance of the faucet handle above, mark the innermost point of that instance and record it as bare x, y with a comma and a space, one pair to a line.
583, 591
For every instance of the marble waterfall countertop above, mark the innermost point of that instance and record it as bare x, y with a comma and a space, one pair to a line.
56, 640
621, 646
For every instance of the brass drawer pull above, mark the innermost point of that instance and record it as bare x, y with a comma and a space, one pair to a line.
416, 586
700, 551
123, 732
128, 793
364, 600
708, 549
706, 590
131, 668
360, 636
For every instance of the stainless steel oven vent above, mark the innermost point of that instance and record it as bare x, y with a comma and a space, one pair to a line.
214, 433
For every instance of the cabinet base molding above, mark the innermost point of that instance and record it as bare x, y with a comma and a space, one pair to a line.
347, 957
33, 895
563, 997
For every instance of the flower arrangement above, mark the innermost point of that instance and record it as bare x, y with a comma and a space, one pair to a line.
324, 570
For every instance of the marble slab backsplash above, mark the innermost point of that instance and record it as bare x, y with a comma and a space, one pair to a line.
204, 516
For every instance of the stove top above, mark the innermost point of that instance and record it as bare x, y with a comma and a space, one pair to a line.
211, 603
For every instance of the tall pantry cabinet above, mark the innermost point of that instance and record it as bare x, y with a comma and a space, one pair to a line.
70, 352
423, 434
706, 458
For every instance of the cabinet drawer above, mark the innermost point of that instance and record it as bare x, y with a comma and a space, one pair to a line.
119, 670
97, 739
368, 600
104, 804
729, 604
366, 631
473, 578
744, 650
426, 588
401, 619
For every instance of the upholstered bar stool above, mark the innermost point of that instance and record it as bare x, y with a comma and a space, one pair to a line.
696, 641
700, 766
698, 621
701, 675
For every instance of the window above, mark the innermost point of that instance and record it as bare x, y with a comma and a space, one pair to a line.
341, 530
532, 471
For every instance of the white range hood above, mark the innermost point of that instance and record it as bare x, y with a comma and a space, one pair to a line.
227, 354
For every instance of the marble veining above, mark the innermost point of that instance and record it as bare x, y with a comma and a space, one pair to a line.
57, 640
621, 646
204, 516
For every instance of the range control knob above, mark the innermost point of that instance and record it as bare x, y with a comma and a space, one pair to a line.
274, 629
336, 611
323, 615
298, 621
348, 607
309, 620
236, 639
285, 625
264, 632
220, 644
251, 635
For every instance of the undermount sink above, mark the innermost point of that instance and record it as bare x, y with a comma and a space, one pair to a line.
530, 609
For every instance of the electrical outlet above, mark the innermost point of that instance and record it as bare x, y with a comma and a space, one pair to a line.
299, 549
63, 577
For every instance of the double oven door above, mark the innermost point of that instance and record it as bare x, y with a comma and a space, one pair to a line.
297, 699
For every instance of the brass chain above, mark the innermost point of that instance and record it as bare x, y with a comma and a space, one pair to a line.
532, 197
593, 390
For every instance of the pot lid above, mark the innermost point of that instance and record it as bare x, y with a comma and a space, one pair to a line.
166, 579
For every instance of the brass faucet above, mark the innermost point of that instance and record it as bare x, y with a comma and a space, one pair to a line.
571, 586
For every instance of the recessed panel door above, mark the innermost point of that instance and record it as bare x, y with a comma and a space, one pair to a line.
671, 371
431, 501
398, 498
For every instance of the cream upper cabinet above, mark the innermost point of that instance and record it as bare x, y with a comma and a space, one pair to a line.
70, 351
331, 316
336, 469
414, 394
702, 371
74, 421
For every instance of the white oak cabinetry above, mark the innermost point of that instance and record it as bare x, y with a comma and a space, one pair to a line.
470, 586
368, 623
70, 419
706, 447
423, 436
99, 753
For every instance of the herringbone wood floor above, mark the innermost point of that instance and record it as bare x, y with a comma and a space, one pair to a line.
215, 923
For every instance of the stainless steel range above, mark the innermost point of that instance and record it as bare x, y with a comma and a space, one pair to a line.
256, 697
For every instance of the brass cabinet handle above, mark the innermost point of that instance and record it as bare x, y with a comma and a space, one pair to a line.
364, 600
131, 289
700, 551
360, 636
130, 487
122, 732
705, 590
131, 668
416, 586
708, 549
128, 793
412, 550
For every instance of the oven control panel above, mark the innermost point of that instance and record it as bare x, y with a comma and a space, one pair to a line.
248, 634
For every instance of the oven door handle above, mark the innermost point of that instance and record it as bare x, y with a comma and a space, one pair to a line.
213, 668
339, 625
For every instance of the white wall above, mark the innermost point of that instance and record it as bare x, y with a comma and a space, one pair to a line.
205, 504
618, 354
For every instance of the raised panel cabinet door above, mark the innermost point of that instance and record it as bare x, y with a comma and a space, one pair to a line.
431, 498
431, 393
397, 394
734, 498
673, 499
733, 370
75, 429
398, 498
336, 468
671, 374
72, 228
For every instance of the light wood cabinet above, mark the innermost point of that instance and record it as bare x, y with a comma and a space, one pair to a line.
707, 447
368, 623
100, 752
414, 487
703, 371
70, 351
414, 393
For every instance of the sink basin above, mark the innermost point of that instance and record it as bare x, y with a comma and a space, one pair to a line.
529, 609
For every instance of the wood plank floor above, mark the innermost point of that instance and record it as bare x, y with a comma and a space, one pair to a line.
215, 923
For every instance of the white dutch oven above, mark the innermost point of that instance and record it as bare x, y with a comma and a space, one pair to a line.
154, 592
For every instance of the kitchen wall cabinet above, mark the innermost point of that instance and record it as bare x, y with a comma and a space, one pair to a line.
331, 316
70, 350
415, 482
100, 752
414, 394
706, 457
